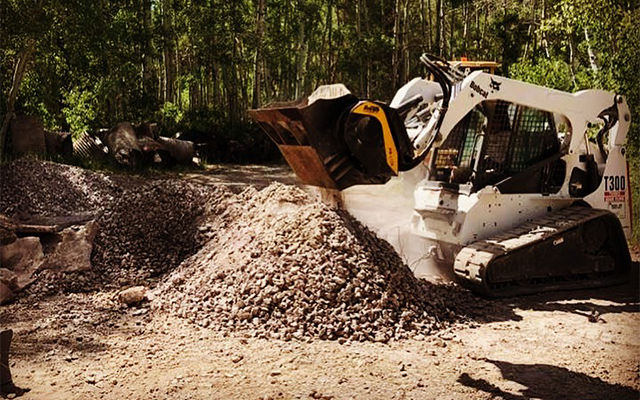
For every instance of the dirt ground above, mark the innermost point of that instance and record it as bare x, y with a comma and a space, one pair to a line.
564, 345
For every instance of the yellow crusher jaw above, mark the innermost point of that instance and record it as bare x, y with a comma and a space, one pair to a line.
372, 109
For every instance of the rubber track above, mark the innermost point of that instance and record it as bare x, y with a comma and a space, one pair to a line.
472, 262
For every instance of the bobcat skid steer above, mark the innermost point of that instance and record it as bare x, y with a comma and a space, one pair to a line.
527, 187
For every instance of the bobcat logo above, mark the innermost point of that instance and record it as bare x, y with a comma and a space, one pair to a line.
476, 88
495, 85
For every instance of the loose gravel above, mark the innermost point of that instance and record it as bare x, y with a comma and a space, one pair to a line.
286, 266
146, 226
274, 263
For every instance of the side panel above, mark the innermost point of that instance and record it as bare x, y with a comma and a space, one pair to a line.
461, 219
614, 193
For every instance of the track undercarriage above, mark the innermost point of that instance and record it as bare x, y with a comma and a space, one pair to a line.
577, 247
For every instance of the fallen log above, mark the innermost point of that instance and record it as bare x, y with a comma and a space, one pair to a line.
40, 224
180, 151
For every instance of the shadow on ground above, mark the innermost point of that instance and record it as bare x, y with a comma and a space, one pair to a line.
548, 382
590, 303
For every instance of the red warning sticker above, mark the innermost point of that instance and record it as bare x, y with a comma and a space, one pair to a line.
614, 196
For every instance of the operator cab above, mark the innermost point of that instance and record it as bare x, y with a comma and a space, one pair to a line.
514, 147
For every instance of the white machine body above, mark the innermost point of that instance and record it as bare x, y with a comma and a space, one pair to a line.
455, 217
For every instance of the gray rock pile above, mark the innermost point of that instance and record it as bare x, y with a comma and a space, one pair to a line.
285, 266
144, 226
150, 228
272, 263
31, 188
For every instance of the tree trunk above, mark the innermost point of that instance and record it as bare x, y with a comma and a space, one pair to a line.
255, 101
440, 26
396, 51
484, 27
452, 24
593, 62
18, 74
530, 35
544, 36
404, 47
147, 61
330, 39
167, 55
430, 26
424, 25
572, 61
300, 58
367, 57
361, 77
465, 29
477, 11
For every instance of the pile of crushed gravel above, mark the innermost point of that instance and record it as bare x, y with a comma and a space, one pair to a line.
272, 263
35, 188
146, 226
150, 228
283, 265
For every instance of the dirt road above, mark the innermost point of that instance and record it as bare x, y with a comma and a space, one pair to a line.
568, 345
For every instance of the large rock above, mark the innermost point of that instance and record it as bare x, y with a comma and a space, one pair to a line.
27, 135
68, 251
6, 294
133, 295
9, 278
72, 251
8, 285
23, 258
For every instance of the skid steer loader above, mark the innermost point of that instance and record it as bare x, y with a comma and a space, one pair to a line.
527, 187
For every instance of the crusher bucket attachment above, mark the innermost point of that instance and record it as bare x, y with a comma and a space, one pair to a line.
333, 140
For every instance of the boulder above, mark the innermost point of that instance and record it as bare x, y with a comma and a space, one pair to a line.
23, 258
6, 294
27, 135
73, 247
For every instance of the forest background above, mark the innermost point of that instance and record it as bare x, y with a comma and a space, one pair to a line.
198, 65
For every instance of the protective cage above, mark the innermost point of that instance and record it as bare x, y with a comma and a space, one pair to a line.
505, 144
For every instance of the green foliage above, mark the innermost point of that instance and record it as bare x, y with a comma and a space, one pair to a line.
80, 109
545, 72
170, 116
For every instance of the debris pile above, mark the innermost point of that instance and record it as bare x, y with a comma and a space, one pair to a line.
36, 188
144, 226
149, 228
285, 266
272, 263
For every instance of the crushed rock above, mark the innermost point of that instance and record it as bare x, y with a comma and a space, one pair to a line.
274, 263
286, 266
146, 226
